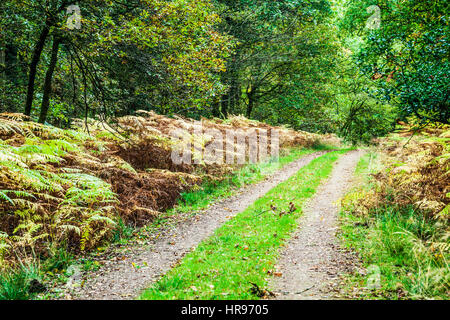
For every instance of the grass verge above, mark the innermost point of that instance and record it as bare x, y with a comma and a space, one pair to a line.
402, 248
235, 262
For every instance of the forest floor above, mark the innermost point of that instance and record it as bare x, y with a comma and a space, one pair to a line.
127, 274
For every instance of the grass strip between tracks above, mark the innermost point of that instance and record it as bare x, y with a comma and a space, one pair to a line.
236, 261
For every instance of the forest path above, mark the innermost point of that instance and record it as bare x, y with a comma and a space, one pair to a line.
126, 277
313, 259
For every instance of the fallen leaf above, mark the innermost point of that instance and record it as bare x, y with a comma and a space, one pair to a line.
278, 274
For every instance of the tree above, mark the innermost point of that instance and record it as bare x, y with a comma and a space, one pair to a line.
408, 56
149, 54
271, 43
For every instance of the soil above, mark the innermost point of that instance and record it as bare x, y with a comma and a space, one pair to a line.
311, 264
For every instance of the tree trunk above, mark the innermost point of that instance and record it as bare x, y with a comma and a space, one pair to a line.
33, 66
230, 99
251, 103
3, 63
216, 109
235, 94
233, 80
48, 80
225, 103
10, 61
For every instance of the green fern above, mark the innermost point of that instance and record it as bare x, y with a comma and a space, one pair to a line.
51, 202
4, 196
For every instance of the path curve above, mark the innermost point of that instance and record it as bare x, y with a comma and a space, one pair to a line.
121, 280
313, 260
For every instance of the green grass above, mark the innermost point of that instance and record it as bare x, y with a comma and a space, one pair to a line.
20, 282
209, 192
15, 284
366, 164
409, 248
242, 252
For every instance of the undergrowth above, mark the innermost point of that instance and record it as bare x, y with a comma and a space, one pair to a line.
67, 193
403, 246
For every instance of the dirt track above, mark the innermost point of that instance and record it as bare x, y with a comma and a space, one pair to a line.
125, 278
313, 259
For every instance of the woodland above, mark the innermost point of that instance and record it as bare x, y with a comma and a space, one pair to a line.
91, 89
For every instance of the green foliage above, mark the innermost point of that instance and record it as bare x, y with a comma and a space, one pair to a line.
59, 258
407, 55
163, 54
14, 286
122, 232
358, 115
328, 93
278, 43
